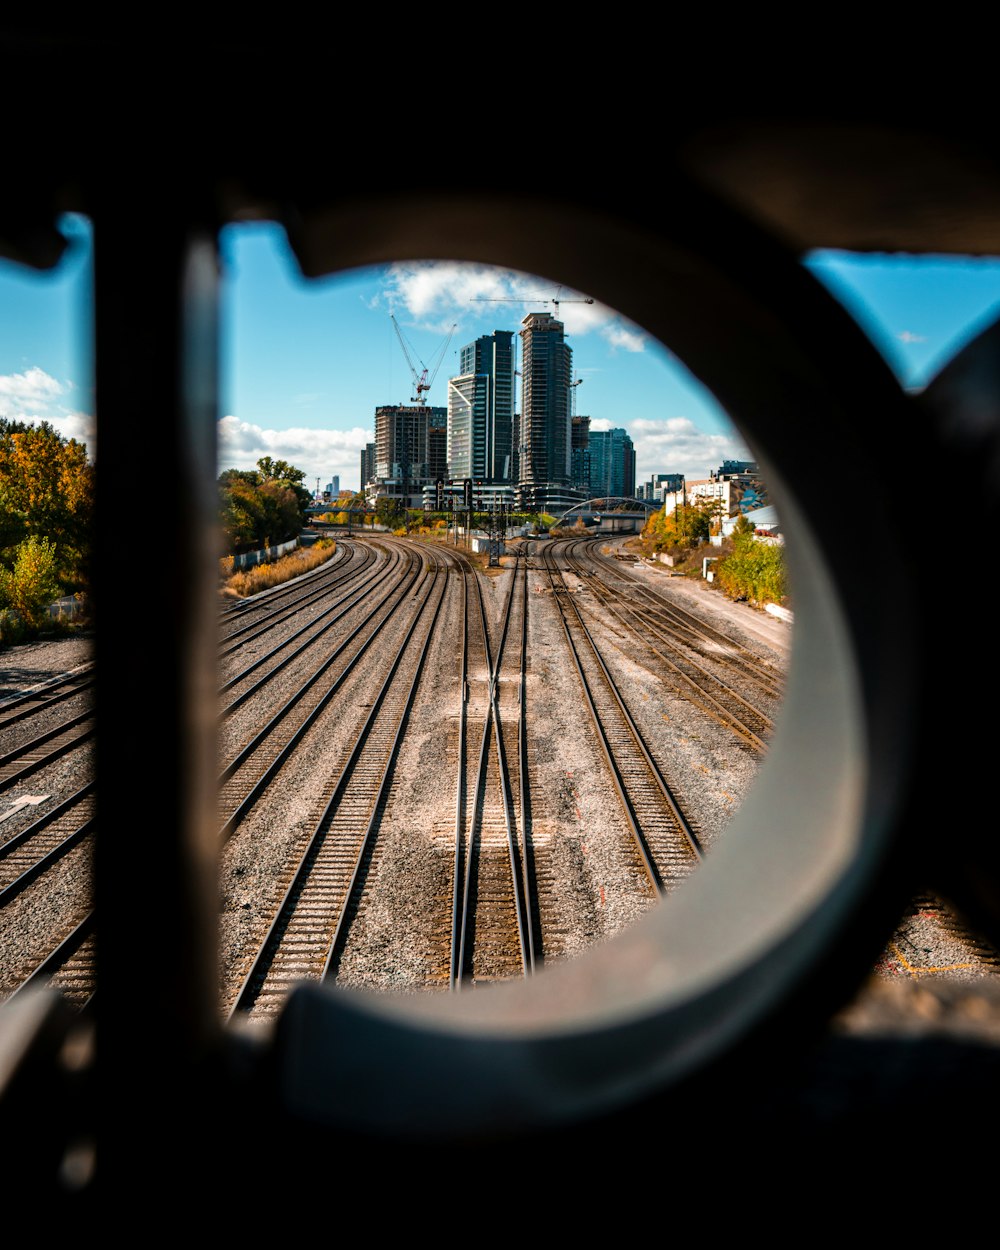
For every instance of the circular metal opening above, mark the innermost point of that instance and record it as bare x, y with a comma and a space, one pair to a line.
788, 891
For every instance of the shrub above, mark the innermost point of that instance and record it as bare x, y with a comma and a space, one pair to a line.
754, 571
264, 576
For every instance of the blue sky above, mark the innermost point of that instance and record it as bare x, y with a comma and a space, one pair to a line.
305, 364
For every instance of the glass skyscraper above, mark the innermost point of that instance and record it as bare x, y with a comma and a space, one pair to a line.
546, 444
612, 464
481, 410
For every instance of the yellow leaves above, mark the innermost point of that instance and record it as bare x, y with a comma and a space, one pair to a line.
46, 490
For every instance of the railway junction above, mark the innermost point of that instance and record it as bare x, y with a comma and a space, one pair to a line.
436, 776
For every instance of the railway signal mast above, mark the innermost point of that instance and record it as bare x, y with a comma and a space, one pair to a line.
422, 383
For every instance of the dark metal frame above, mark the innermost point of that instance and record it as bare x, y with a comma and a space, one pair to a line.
857, 764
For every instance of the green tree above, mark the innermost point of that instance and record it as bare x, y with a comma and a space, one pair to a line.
33, 583
389, 512
743, 525
279, 471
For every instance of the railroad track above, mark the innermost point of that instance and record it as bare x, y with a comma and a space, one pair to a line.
255, 762
495, 933
616, 583
671, 637
43, 697
500, 916
665, 842
264, 613
26, 855
325, 887
238, 618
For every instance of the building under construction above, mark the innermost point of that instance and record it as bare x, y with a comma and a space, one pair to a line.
410, 451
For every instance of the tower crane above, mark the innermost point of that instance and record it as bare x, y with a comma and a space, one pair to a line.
527, 299
572, 395
421, 382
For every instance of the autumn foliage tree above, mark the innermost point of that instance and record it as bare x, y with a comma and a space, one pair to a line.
261, 507
679, 528
46, 492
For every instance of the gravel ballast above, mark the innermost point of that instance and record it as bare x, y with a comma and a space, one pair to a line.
590, 890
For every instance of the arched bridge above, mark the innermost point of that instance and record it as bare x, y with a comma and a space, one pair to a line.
611, 515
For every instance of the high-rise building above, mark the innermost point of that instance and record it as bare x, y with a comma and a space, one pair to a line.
612, 464
544, 461
661, 484
481, 409
437, 452
580, 453
407, 453
367, 464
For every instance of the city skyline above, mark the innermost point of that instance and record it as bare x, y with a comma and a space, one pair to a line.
305, 364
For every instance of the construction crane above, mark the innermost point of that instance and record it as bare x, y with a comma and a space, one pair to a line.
528, 299
422, 383
572, 395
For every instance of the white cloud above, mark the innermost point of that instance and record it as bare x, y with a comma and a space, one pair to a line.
907, 336
677, 445
318, 453
620, 335
32, 389
35, 396
437, 294
78, 425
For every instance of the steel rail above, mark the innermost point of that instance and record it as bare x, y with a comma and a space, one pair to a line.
335, 578
645, 852
10, 757
30, 766
232, 608
345, 918
53, 854
522, 905
524, 789
725, 715
247, 751
477, 790
688, 622
249, 988
57, 958
636, 733
460, 899
341, 608
40, 701
526, 914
